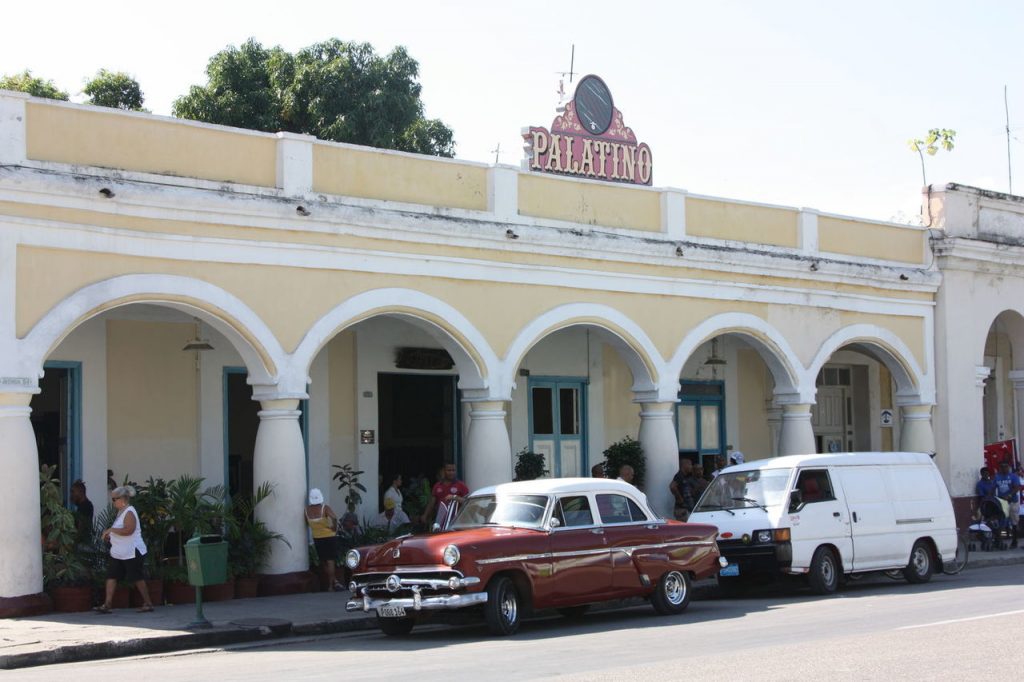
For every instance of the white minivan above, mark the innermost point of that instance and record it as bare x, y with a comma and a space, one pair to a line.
823, 516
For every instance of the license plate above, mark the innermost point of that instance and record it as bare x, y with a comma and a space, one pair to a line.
731, 569
390, 611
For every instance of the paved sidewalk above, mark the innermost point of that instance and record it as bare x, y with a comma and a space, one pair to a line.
69, 637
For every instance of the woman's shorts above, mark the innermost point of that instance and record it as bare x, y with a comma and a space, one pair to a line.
326, 548
129, 570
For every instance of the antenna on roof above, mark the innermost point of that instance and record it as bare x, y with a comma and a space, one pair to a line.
1009, 166
497, 153
570, 73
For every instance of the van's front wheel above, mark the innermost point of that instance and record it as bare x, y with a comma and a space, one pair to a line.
921, 565
824, 574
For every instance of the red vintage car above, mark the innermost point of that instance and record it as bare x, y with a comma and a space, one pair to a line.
551, 543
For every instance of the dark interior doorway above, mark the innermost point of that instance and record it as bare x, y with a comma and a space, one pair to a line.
241, 422
241, 417
55, 422
418, 424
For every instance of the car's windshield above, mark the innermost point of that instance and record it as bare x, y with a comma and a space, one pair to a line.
507, 510
742, 489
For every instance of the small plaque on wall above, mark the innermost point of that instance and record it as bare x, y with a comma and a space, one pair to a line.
423, 358
367, 437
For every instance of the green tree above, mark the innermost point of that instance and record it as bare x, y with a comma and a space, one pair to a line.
335, 90
26, 82
937, 137
114, 89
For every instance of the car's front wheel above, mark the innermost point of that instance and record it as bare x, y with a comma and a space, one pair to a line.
503, 610
824, 574
672, 595
395, 627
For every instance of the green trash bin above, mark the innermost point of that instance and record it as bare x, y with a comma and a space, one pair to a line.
207, 559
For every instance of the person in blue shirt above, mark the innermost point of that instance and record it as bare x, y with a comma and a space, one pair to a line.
1008, 488
985, 487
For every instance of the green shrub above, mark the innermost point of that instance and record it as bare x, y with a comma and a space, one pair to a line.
530, 465
626, 451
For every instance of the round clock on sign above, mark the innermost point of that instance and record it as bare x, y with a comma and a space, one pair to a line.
593, 103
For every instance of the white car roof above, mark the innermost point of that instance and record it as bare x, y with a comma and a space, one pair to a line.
549, 486
561, 486
837, 459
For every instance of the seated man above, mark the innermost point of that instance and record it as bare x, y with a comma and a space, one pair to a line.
391, 519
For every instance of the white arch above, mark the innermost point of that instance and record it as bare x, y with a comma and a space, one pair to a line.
785, 366
261, 352
1013, 324
473, 357
912, 384
613, 327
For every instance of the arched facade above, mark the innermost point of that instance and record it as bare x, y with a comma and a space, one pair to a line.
462, 314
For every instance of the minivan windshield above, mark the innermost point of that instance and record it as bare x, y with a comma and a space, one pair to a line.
524, 511
744, 489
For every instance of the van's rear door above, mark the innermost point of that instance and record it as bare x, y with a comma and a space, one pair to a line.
876, 540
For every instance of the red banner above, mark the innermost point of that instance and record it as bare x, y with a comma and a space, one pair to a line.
1001, 451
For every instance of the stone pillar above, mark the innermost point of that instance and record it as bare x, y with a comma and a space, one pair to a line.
21, 558
280, 458
487, 456
661, 452
797, 435
916, 432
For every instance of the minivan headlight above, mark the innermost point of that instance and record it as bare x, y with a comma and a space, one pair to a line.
352, 558
763, 537
451, 555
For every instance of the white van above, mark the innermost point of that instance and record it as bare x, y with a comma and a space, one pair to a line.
827, 515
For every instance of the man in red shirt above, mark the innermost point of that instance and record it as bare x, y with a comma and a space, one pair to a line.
449, 489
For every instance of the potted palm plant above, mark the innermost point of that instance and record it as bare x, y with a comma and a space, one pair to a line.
249, 541
66, 575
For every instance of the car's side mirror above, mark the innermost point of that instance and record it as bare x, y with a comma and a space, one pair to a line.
554, 523
435, 528
796, 500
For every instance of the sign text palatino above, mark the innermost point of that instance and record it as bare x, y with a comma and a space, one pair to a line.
588, 139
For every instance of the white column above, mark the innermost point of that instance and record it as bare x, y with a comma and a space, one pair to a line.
21, 558
673, 213
661, 453
916, 434
1016, 377
280, 458
774, 428
487, 456
12, 129
797, 435
295, 163
503, 193
808, 230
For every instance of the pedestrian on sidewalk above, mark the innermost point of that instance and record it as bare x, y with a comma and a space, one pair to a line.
126, 550
324, 524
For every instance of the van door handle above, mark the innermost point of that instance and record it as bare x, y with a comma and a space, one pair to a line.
597, 531
836, 514
855, 517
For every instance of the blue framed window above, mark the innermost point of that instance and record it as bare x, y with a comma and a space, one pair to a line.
558, 423
700, 419
57, 421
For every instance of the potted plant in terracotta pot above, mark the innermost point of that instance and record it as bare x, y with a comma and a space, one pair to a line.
66, 575
249, 541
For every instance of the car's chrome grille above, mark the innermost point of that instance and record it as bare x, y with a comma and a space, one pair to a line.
426, 582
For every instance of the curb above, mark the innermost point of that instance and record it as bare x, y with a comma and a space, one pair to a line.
237, 634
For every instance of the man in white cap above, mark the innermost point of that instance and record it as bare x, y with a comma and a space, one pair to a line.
736, 458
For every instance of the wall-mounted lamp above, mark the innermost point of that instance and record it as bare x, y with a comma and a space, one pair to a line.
714, 360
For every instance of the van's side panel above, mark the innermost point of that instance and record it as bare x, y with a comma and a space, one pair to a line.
877, 541
824, 522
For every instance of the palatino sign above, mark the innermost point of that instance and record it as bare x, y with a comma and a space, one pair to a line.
589, 140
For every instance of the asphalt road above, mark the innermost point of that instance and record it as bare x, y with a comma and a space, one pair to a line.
962, 626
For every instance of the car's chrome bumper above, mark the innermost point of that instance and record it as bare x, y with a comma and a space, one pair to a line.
418, 602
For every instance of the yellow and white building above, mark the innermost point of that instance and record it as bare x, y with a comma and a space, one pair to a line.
328, 279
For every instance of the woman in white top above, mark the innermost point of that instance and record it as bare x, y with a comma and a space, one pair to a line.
394, 491
126, 549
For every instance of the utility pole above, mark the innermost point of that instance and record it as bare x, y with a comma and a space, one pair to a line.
1009, 165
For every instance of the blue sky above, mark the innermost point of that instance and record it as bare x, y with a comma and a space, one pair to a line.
784, 102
